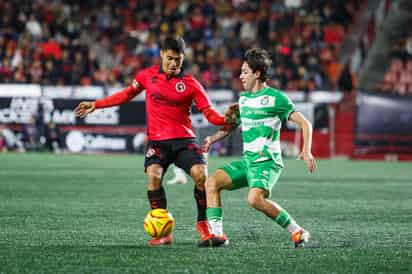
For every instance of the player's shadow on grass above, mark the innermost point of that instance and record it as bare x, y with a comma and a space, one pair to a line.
111, 248
142, 245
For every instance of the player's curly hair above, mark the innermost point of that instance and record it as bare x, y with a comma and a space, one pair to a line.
175, 43
258, 60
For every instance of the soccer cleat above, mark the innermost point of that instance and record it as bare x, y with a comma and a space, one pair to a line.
203, 229
300, 238
180, 177
167, 240
177, 181
214, 241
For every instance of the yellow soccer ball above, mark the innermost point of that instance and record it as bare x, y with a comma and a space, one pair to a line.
159, 223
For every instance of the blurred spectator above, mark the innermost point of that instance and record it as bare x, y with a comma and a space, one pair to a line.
398, 77
52, 135
11, 140
33, 27
6, 72
219, 149
51, 74
51, 48
31, 135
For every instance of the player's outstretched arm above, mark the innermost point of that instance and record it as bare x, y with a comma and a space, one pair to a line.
230, 117
306, 127
118, 98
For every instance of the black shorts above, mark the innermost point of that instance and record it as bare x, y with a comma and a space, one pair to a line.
184, 153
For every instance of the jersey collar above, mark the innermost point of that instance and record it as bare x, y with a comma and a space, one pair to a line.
168, 77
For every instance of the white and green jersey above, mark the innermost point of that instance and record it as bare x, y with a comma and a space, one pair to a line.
261, 116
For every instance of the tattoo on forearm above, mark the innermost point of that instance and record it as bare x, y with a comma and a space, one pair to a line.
219, 135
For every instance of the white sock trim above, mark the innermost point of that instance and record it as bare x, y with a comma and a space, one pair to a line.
293, 227
216, 226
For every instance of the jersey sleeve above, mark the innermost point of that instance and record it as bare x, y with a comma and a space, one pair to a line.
118, 98
200, 97
139, 80
124, 95
284, 106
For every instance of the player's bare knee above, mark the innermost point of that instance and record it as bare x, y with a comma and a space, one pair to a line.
255, 200
199, 175
154, 178
211, 185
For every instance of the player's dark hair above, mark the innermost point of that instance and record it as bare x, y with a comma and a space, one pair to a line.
258, 60
175, 43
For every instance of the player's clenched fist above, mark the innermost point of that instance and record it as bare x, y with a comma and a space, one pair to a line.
84, 108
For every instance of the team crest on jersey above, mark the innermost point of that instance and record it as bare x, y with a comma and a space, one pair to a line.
180, 86
265, 100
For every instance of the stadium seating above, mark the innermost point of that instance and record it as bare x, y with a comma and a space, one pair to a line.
105, 42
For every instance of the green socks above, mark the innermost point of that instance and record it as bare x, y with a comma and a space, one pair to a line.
283, 219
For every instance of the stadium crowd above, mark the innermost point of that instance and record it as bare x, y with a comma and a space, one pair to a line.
398, 77
105, 42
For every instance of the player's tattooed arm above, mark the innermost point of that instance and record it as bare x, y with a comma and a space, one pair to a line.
219, 135
231, 119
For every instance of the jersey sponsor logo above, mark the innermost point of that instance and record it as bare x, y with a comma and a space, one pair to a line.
180, 86
257, 102
158, 98
249, 112
273, 122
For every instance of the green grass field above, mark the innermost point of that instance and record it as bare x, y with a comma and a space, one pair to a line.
84, 214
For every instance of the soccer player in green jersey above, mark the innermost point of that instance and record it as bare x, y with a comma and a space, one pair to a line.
260, 112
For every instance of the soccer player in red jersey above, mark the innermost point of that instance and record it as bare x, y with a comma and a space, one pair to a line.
169, 97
